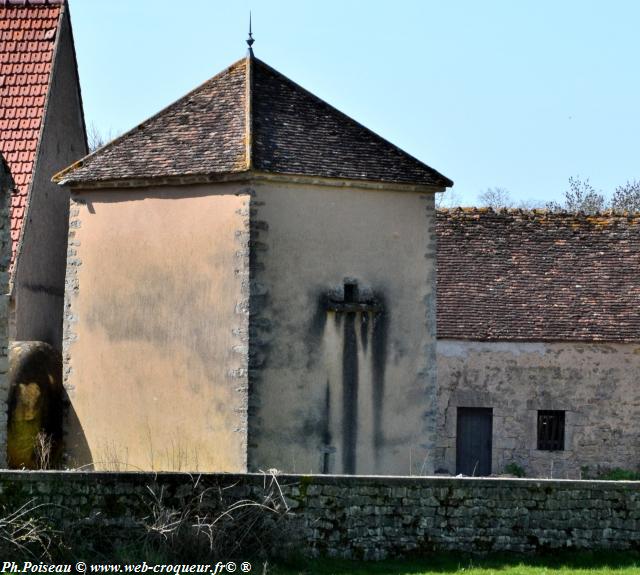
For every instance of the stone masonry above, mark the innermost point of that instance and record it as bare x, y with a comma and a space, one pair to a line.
594, 384
361, 517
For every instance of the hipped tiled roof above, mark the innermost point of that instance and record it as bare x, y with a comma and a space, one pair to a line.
27, 39
538, 276
251, 117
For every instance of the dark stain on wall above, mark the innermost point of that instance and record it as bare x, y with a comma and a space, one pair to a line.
349, 395
316, 327
326, 433
364, 329
368, 314
378, 367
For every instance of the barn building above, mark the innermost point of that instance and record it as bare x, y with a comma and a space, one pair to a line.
538, 342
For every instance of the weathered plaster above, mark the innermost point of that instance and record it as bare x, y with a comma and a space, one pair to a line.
333, 391
595, 383
156, 329
38, 290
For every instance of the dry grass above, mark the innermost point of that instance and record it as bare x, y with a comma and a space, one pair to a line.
24, 533
211, 522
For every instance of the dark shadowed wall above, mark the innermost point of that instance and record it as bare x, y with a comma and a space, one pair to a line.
339, 387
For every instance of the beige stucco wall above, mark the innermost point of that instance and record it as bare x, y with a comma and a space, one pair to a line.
156, 329
40, 271
596, 384
325, 383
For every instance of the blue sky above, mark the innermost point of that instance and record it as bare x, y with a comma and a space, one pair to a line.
517, 94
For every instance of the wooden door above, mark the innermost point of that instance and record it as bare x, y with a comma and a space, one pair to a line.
473, 442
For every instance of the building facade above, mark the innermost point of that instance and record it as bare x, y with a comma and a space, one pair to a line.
538, 343
41, 131
255, 290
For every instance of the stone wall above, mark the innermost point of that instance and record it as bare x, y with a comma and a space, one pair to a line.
6, 186
595, 384
358, 517
40, 265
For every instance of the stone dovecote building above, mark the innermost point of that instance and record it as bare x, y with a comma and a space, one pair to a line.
251, 284
41, 131
538, 342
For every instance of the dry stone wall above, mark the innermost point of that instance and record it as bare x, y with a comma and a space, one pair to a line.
357, 517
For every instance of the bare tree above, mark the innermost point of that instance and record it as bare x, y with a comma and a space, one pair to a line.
96, 139
448, 199
580, 197
529, 205
626, 198
496, 198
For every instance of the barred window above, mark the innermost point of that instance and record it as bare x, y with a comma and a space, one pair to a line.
551, 430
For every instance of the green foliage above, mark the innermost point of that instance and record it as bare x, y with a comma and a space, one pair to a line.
619, 474
514, 469
565, 563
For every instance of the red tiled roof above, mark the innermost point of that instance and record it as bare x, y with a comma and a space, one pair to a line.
538, 276
289, 131
27, 39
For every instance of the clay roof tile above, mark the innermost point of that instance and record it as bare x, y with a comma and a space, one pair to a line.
25, 59
286, 131
538, 276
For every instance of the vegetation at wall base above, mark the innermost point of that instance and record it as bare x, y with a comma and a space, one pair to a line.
619, 474
565, 563
615, 474
515, 470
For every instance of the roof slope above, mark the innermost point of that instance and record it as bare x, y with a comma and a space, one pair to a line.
199, 134
516, 275
251, 117
27, 41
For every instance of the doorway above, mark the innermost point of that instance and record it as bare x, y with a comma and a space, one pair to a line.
473, 441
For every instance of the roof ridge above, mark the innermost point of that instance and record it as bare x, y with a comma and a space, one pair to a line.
348, 118
248, 120
542, 212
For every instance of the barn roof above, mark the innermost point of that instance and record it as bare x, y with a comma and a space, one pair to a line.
519, 275
27, 42
251, 117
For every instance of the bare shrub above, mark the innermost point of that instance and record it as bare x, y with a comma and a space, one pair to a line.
210, 522
43, 449
496, 198
24, 533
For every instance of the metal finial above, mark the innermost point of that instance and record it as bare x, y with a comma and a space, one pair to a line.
250, 39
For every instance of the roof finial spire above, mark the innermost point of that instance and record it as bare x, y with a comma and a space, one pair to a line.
250, 39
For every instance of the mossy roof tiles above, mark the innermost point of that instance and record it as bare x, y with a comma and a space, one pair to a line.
538, 276
251, 117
